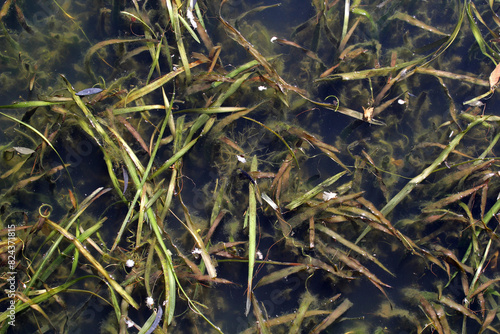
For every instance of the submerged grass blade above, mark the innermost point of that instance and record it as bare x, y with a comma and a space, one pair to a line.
207, 261
95, 48
417, 23
173, 13
137, 94
476, 32
341, 309
262, 324
252, 236
68, 251
95, 263
426, 172
45, 139
31, 104
314, 191
170, 286
279, 275
401, 195
351, 246
140, 185
232, 89
307, 300
43, 297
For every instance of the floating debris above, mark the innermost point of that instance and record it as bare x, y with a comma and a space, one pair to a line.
88, 91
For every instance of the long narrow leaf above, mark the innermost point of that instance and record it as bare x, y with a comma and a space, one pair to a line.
252, 235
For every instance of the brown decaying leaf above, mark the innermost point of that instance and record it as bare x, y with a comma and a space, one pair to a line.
311, 233
431, 313
214, 226
134, 133
328, 268
344, 41
262, 324
304, 135
417, 23
287, 318
368, 114
280, 274
206, 278
337, 237
484, 286
221, 246
487, 321
494, 76
452, 199
308, 53
280, 181
214, 55
312, 211
407, 242
452, 258
354, 265
72, 198
341, 309
22, 20
23, 183
458, 307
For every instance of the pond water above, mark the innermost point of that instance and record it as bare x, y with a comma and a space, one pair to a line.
344, 158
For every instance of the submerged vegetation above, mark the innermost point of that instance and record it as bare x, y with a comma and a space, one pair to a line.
240, 167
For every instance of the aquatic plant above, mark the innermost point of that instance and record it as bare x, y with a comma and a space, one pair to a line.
204, 167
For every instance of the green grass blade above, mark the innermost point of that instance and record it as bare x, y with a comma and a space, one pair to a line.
426, 172
45, 140
118, 288
314, 191
211, 110
137, 94
67, 252
43, 297
140, 185
232, 89
483, 46
121, 111
252, 235
30, 104
174, 19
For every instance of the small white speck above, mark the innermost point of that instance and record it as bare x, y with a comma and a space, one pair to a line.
150, 302
259, 255
241, 158
129, 323
327, 195
273, 39
130, 263
261, 88
401, 101
196, 251
190, 16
